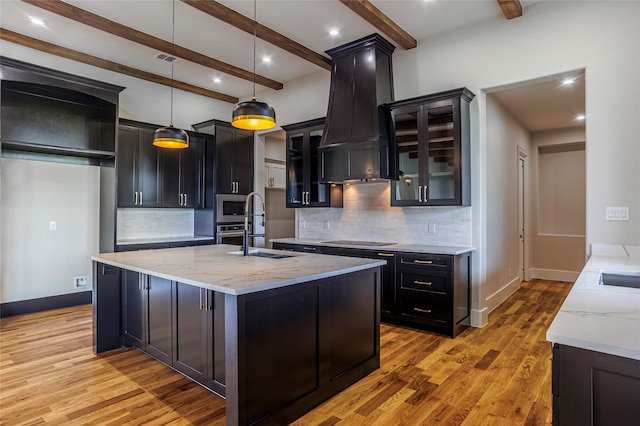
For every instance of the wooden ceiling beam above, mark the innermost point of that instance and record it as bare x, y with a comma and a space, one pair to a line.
375, 17
510, 8
74, 55
84, 17
231, 17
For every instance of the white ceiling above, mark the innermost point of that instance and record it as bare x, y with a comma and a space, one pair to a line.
304, 21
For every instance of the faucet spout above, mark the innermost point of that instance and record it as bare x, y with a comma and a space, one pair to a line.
245, 239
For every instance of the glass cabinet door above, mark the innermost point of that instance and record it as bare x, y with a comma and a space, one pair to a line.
295, 178
317, 190
441, 153
407, 188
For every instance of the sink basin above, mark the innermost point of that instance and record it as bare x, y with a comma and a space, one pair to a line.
256, 253
621, 279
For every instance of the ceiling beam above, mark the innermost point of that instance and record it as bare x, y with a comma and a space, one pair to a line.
74, 55
375, 17
510, 8
84, 17
231, 17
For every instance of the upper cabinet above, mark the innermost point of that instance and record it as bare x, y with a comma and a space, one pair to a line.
304, 187
181, 173
431, 137
234, 160
138, 168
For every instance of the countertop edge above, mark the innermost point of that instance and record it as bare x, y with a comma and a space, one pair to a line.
405, 248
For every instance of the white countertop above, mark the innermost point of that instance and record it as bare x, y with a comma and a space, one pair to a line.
599, 317
214, 268
412, 248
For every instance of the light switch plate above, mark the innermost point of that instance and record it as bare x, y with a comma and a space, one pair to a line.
617, 213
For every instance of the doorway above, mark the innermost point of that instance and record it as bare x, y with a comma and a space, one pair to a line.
522, 228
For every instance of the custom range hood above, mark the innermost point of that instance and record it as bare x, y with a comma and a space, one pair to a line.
355, 142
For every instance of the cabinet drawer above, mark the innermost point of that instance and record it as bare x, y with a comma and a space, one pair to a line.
426, 262
436, 284
424, 310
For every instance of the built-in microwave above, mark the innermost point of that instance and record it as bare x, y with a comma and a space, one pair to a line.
230, 208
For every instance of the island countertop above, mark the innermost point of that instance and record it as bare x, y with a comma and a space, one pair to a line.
391, 246
601, 318
214, 267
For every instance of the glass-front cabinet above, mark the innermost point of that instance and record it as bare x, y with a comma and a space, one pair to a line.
304, 188
431, 137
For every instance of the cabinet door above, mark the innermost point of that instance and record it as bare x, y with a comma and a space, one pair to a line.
295, 168
442, 154
216, 345
159, 332
407, 190
148, 169
127, 157
133, 309
243, 161
191, 327
275, 176
170, 162
224, 160
190, 171
318, 192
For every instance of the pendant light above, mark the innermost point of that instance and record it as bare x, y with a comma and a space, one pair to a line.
170, 137
253, 114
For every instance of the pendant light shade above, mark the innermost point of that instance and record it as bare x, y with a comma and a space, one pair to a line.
253, 114
170, 137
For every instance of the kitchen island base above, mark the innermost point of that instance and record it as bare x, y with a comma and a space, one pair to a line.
283, 351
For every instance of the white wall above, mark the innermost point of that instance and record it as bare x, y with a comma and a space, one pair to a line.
36, 261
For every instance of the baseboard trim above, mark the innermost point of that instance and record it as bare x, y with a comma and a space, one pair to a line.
44, 304
554, 274
479, 317
494, 300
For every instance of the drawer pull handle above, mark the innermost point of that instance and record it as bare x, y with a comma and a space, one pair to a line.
426, 311
309, 248
386, 254
423, 282
426, 262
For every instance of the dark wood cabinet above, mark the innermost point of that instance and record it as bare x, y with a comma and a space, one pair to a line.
594, 388
138, 168
427, 291
431, 138
234, 160
387, 279
199, 335
303, 184
181, 174
147, 314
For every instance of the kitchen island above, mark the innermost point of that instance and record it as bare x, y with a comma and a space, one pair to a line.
596, 344
275, 334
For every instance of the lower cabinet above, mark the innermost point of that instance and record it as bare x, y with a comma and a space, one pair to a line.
427, 291
594, 388
179, 324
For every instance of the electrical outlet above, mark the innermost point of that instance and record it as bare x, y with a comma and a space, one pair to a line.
432, 228
53, 226
326, 224
81, 281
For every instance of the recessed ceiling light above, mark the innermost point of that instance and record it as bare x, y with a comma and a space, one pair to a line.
568, 81
266, 59
334, 32
216, 80
581, 117
37, 21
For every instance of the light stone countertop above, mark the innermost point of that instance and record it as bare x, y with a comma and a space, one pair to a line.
601, 318
412, 248
214, 268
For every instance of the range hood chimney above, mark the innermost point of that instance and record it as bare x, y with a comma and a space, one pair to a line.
355, 141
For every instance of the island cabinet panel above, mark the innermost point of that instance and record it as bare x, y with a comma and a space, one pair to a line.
106, 297
133, 309
291, 348
594, 388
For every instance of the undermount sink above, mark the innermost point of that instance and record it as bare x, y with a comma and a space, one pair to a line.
256, 253
621, 279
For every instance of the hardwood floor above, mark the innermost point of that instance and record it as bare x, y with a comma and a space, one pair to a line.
497, 375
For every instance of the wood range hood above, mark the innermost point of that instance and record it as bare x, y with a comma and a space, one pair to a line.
355, 142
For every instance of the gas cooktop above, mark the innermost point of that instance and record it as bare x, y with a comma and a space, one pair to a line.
360, 243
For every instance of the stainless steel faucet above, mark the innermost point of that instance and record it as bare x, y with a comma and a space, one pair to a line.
245, 239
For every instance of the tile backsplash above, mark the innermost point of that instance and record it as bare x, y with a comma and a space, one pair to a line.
154, 223
368, 215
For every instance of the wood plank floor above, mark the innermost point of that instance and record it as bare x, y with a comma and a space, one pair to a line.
497, 375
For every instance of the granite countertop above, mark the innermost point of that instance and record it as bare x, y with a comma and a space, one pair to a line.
215, 268
412, 248
601, 318
161, 240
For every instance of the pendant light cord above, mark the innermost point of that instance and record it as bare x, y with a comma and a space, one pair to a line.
254, 48
173, 30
